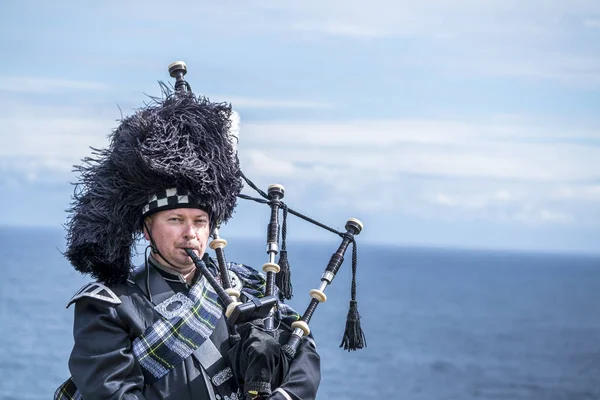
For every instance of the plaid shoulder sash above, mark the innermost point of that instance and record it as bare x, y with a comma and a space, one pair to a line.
168, 342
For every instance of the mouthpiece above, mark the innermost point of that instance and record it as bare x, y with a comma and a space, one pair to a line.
192, 254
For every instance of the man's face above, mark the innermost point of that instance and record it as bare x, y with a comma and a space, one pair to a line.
178, 229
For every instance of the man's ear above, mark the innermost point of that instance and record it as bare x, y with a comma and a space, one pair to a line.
147, 224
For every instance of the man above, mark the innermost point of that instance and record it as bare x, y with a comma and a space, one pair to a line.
158, 331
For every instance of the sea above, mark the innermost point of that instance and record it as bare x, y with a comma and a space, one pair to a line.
440, 324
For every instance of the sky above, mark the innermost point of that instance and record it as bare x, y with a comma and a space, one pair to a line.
469, 124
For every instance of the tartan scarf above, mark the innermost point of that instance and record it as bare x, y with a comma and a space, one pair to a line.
170, 341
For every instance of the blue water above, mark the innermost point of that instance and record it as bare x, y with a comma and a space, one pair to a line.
440, 324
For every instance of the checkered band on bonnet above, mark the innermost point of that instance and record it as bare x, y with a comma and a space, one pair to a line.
169, 199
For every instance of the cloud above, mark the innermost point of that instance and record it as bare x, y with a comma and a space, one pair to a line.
444, 200
271, 103
41, 143
501, 205
432, 148
585, 192
530, 40
52, 135
530, 215
592, 23
510, 168
32, 84
534, 40
265, 163
340, 29
370, 86
516, 171
445, 19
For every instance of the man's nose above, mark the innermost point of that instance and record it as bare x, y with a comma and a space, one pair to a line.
189, 231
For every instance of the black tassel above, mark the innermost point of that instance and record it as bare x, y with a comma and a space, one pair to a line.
354, 338
283, 279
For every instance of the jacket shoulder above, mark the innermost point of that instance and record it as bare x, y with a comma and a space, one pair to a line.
95, 290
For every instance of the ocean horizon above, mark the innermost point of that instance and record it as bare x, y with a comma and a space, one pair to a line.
441, 323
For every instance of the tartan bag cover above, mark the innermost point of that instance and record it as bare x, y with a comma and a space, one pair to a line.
167, 343
254, 284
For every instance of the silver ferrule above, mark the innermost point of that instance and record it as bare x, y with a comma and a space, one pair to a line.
298, 332
327, 276
272, 247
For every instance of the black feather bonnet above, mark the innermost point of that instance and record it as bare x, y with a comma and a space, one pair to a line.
179, 140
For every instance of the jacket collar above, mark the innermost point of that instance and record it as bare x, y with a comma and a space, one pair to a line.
148, 277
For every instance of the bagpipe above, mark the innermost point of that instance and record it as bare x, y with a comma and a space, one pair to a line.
260, 353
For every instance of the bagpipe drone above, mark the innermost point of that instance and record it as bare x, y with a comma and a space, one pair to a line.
259, 356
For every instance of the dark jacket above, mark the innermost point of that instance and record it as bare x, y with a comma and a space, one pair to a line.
103, 366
